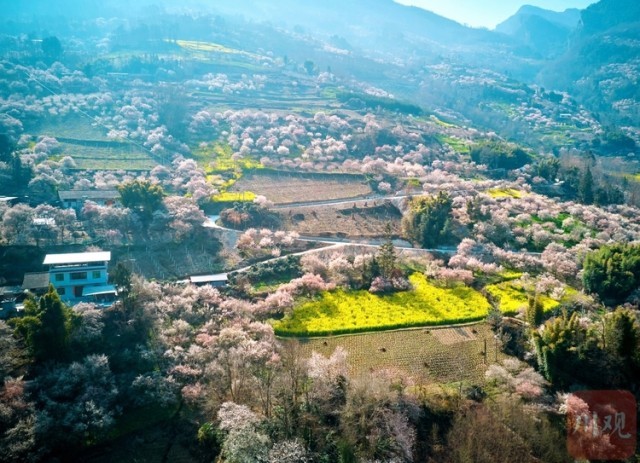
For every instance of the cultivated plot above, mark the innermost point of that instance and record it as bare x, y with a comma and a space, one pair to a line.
287, 188
443, 355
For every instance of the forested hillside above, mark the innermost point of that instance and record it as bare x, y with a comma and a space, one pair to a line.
317, 232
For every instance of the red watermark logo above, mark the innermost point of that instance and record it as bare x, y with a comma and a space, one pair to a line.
601, 425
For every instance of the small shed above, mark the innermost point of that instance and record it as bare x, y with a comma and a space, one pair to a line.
104, 295
44, 222
37, 282
10, 200
217, 280
8, 298
75, 199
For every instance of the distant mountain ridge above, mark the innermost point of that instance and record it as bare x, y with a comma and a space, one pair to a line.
359, 19
608, 14
592, 53
545, 32
377, 27
602, 61
567, 19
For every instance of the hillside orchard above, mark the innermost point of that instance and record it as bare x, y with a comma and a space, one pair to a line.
516, 280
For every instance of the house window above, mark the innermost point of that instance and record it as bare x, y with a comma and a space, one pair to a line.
61, 291
59, 276
96, 274
79, 276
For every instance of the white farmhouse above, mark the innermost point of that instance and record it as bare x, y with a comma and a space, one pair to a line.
75, 199
80, 276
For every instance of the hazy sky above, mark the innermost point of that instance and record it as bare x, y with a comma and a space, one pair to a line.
488, 13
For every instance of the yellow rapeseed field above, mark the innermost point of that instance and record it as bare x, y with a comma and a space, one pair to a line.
344, 311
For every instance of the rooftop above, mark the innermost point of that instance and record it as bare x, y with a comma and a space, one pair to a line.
77, 258
208, 278
88, 194
9, 291
44, 221
98, 290
39, 280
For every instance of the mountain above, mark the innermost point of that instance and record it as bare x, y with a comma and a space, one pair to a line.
545, 32
602, 63
567, 19
376, 29
358, 19
593, 53
609, 14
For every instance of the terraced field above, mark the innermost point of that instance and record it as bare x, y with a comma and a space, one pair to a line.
210, 47
170, 261
267, 100
89, 146
107, 156
343, 220
76, 127
287, 188
428, 355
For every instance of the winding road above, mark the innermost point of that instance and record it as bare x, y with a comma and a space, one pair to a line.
332, 243
335, 243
